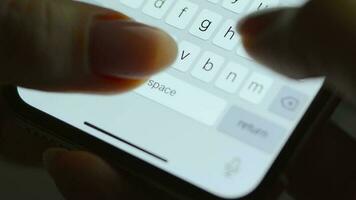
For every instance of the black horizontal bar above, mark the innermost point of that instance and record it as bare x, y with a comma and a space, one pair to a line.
125, 141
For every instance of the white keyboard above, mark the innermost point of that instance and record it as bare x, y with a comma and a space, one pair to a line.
208, 48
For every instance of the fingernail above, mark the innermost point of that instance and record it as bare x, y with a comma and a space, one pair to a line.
256, 24
127, 49
50, 155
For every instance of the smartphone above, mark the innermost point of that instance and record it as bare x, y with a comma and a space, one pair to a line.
215, 125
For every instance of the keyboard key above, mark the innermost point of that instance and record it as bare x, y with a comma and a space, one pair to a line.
183, 98
205, 24
232, 77
187, 54
132, 4
236, 6
259, 5
157, 8
288, 103
252, 129
214, 1
242, 52
256, 88
182, 13
227, 37
93, 2
208, 66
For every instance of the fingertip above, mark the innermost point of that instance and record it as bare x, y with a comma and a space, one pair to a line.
254, 29
269, 38
81, 175
58, 158
166, 51
51, 157
257, 23
128, 49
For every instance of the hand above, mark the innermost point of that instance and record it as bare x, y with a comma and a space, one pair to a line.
317, 39
70, 46
82, 175
61, 45
297, 42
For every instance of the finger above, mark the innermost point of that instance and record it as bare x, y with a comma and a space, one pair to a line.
67, 45
317, 39
81, 175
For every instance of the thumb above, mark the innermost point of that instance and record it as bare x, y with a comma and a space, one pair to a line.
80, 175
67, 45
316, 39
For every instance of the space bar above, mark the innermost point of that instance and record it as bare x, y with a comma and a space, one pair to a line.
183, 98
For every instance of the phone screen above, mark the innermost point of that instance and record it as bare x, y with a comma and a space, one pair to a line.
215, 119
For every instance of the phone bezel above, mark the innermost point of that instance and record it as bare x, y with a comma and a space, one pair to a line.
324, 103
